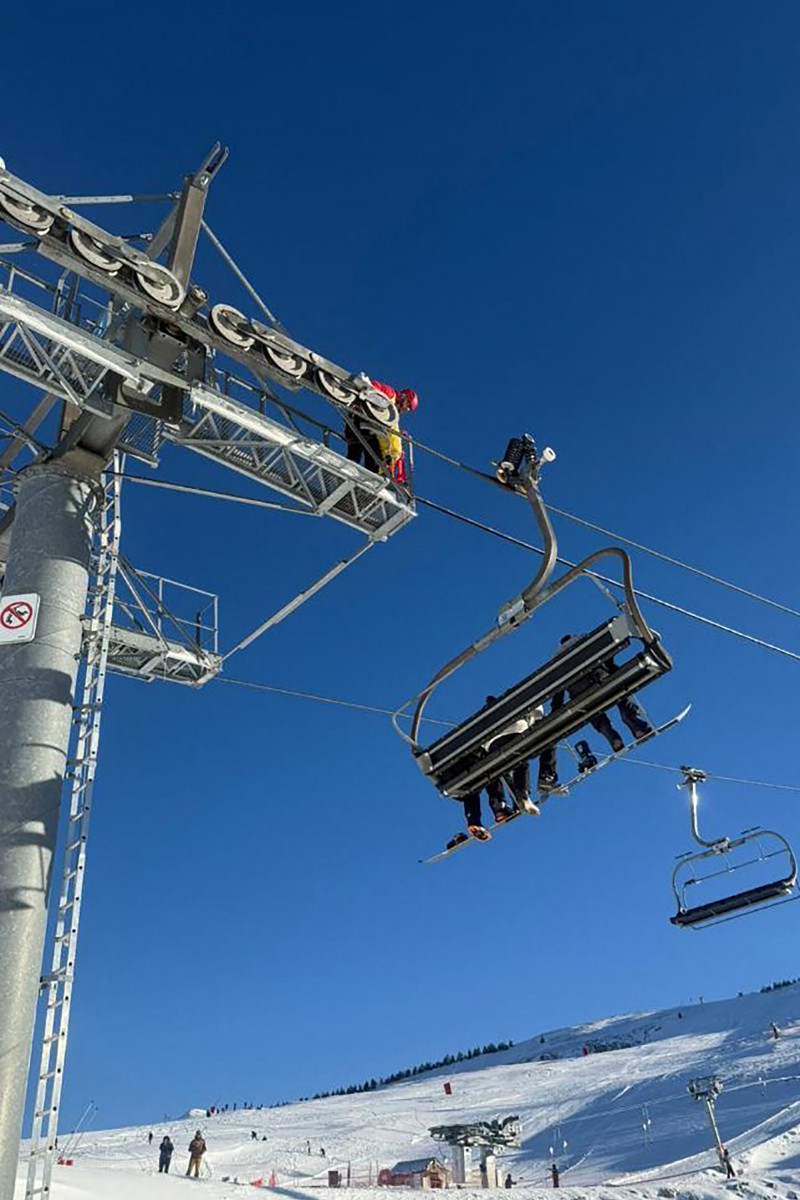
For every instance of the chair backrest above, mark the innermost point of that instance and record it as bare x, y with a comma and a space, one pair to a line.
457, 761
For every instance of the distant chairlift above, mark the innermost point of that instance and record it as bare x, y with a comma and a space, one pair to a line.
457, 762
730, 855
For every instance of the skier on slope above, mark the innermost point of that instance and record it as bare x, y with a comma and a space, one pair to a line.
727, 1164
628, 709
197, 1148
519, 778
379, 445
165, 1152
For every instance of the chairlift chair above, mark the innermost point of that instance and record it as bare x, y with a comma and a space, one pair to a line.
689, 872
457, 762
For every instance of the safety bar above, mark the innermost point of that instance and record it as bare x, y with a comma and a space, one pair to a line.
551, 729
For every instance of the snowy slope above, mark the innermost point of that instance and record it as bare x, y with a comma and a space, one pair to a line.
589, 1111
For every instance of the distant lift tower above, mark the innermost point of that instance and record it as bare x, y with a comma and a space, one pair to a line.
126, 355
477, 1141
706, 1089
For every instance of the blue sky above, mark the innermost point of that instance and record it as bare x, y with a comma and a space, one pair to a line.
574, 218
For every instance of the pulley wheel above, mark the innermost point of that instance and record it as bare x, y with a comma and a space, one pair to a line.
167, 290
93, 251
227, 322
333, 388
380, 407
25, 213
291, 364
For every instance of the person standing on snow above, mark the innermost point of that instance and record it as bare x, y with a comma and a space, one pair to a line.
150, 1138
628, 709
165, 1151
727, 1164
554, 1175
197, 1148
775, 1031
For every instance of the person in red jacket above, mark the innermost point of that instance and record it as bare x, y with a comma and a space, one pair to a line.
379, 444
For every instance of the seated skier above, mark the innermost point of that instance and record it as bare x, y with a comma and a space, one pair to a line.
518, 778
628, 709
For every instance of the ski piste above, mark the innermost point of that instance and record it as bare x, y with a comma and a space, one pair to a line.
564, 789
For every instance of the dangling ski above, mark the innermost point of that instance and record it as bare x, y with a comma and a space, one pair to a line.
602, 760
563, 789
463, 839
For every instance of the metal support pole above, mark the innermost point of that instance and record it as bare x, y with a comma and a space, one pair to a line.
48, 555
712, 1120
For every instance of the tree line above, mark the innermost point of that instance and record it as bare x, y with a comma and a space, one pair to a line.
370, 1085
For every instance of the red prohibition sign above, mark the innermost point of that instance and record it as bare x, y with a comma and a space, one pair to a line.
16, 614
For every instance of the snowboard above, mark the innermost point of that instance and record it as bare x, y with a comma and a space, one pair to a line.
468, 837
603, 760
564, 789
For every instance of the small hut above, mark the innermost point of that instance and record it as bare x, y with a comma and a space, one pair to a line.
417, 1173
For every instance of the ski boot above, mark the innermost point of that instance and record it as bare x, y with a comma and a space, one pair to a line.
456, 840
526, 805
480, 833
547, 782
503, 813
586, 760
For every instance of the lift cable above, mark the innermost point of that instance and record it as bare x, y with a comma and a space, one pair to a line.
676, 562
389, 712
780, 787
658, 554
686, 612
370, 708
476, 524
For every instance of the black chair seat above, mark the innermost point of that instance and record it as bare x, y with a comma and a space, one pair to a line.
726, 905
457, 762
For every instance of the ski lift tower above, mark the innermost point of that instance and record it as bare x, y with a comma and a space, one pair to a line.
124, 353
486, 1137
705, 1089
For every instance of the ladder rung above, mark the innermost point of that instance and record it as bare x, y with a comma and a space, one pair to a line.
59, 976
57, 1006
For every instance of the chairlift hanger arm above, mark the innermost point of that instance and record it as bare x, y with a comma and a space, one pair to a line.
537, 593
691, 778
729, 906
521, 608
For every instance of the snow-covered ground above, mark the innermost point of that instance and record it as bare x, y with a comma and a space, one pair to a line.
619, 1122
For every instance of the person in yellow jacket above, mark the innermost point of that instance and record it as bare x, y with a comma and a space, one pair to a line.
382, 435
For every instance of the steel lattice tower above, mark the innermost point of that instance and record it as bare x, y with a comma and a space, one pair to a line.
124, 354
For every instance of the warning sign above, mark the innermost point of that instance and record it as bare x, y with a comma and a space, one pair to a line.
18, 616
